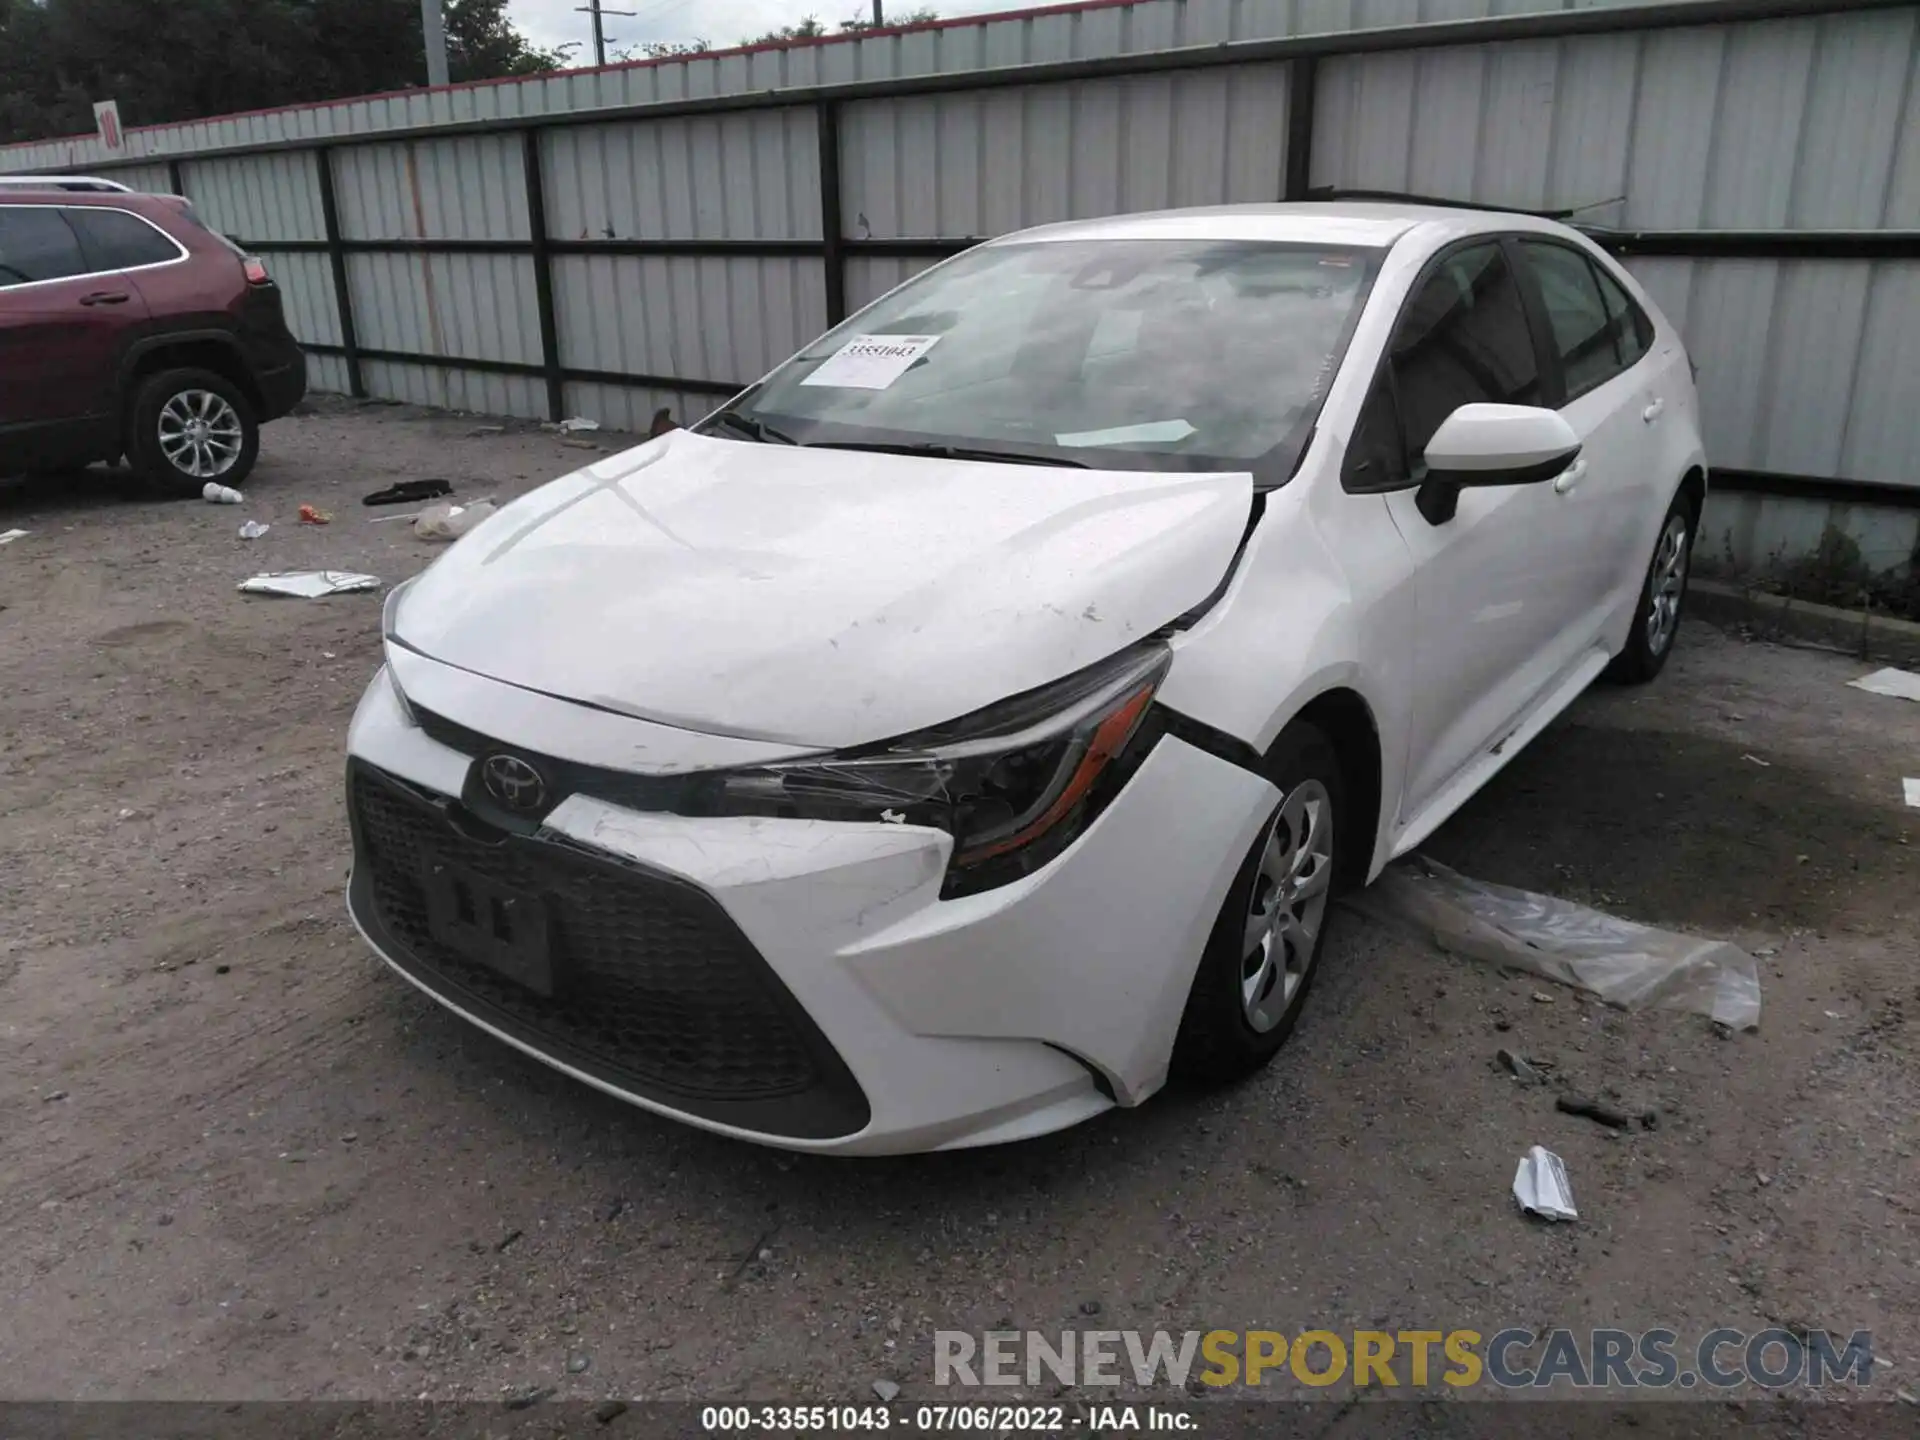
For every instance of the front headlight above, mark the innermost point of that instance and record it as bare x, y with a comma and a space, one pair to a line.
388, 610
1013, 783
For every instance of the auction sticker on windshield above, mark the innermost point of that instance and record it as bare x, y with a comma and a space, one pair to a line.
871, 362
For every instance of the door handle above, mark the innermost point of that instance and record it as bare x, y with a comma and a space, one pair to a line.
1653, 411
106, 297
1567, 479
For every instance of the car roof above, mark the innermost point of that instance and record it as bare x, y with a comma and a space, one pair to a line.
140, 201
1366, 223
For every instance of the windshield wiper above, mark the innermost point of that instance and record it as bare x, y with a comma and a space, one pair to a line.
753, 429
947, 452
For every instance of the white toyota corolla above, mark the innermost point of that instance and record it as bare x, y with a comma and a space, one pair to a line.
964, 729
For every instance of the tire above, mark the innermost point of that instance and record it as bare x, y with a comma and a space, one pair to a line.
1663, 594
180, 459
1234, 1023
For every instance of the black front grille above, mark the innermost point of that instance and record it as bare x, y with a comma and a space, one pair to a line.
655, 989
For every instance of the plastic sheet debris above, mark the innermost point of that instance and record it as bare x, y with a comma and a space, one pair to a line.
574, 425
1523, 1070
309, 584
1621, 961
409, 492
1908, 782
254, 529
311, 516
450, 522
1901, 684
1763, 764
7, 537
1541, 1185
214, 493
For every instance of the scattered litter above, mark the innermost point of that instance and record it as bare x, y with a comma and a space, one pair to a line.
1901, 684
53, 1095
254, 529
9, 536
1593, 1110
309, 584
409, 492
573, 444
500, 1247
214, 493
574, 425
1763, 764
1911, 787
1541, 997
608, 1411
450, 522
886, 1390
311, 516
578, 1363
1541, 1186
1520, 1069
1623, 962
527, 1399
487, 430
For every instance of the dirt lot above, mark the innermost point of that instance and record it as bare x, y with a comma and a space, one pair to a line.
241, 1161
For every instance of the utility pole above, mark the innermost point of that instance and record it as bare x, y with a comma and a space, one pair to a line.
879, 13
435, 31
593, 8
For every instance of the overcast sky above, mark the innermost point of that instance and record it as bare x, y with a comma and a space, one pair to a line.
550, 23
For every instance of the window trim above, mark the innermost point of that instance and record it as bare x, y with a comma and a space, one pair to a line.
1549, 379
181, 253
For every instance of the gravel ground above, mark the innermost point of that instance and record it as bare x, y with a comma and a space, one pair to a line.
244, 1162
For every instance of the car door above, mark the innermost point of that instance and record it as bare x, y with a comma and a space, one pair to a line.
1493, 604
1601, 392
62, 331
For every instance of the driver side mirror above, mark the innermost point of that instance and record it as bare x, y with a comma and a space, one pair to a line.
1484, 444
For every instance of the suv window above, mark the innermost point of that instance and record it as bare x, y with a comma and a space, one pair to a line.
1586, 337
117, 240
36, 244
1462, 338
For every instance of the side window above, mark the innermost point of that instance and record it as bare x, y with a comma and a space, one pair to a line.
115, 240
1629, 321
36, 244
1376, 456
1463, 338
1584, 334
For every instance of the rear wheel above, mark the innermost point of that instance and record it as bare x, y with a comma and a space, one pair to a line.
1662, 596
1265, 946
188, 427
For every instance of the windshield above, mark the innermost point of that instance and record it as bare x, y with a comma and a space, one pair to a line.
1118, 354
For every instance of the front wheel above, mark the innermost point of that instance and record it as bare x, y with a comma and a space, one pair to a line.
1662, 596
188, 427
1265, 946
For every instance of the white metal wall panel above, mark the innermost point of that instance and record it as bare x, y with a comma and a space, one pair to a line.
473, 390
306, 292
753, 175
479, 306
327, 374
695, 318
1807, 367
871, 276
257, 197
632, 408
966, 45
1809, 124
467, 188
990, 161
151, 178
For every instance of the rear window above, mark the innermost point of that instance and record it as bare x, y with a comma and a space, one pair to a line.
117, 240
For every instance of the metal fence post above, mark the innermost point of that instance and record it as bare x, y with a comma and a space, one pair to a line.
175, 181
1303, 76
337, 258
542, 272
833, 252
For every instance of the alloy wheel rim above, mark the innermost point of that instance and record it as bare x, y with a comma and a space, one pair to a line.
1667, 584
1288, 905
200, 434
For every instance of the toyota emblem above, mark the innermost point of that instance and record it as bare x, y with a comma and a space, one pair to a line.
514, 783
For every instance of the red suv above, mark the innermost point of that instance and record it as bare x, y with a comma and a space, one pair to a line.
129, 328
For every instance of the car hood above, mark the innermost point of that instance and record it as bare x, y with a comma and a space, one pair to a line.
822, 598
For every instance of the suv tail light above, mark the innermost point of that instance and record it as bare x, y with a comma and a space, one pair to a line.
255, 269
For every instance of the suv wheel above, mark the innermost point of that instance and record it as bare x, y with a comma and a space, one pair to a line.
1260, 961
188, 427
1662, 596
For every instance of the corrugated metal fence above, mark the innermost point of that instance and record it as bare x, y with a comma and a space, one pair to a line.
1757, 162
